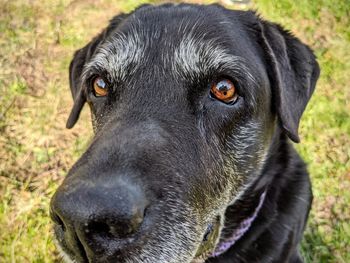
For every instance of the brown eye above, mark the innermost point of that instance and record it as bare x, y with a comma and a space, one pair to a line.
224, 90
100, 87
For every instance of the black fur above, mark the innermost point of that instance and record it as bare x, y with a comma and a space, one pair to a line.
165, 147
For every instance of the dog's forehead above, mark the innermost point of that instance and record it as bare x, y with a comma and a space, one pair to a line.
179, 41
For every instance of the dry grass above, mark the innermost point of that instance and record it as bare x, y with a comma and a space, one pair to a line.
37, 40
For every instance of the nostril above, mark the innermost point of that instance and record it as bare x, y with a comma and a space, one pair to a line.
118, 229
116, 222
101, 228
57, 220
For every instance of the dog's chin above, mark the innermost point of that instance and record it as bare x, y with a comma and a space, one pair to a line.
65, 257
200, 255
68, 259
198, 260
201, 258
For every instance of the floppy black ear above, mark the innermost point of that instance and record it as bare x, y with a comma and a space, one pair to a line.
294, 72
75, 71
76, 67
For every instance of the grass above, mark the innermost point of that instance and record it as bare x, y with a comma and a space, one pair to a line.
37, 39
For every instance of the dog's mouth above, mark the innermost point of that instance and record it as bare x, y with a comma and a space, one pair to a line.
77, 252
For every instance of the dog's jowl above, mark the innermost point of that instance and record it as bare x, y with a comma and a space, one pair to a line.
195, 110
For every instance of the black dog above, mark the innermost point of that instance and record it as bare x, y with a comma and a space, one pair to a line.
193, 108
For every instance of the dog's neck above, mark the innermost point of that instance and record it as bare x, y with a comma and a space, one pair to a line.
239, 229
240, 216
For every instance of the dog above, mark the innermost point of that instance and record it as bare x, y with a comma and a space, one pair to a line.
194, 109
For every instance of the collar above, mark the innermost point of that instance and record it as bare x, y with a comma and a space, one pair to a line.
240, 230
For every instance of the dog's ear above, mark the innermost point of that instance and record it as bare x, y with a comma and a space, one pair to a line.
293, 71
76, 67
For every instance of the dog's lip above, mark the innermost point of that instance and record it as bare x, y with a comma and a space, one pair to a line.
79, 251
79, 254
72, 257
68, 257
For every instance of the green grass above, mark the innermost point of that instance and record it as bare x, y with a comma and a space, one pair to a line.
37, 40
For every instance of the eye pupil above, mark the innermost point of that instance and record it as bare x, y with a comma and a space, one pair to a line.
224, 90
100, 87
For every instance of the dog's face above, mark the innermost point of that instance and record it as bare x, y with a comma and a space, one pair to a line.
185, 102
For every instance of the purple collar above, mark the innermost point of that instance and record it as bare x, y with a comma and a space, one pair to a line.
242, 228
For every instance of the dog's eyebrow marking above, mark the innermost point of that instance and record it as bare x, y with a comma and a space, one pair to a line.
119, 55
194, 57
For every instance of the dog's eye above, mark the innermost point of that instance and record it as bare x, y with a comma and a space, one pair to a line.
224, 90
100, 87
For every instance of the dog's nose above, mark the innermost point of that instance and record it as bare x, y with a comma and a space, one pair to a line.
93, 213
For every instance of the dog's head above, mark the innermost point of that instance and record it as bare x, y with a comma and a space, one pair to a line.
185, 100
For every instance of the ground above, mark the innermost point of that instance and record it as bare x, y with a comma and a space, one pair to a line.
37, 40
